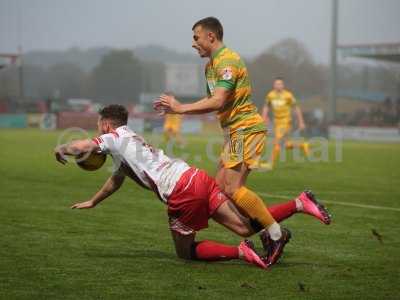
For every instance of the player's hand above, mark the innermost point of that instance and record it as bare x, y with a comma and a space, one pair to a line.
168, 104
60, 157
83, 205
159, 108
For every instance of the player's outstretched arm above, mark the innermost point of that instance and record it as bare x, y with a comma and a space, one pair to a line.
110, 187
205, 105
74, 148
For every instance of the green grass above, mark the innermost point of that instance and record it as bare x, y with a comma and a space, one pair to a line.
122, 249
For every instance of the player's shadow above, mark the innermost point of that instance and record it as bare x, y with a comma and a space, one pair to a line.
288, 167
171, 256
134, 254
294, 264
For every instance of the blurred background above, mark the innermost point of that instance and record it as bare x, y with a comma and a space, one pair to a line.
62, 60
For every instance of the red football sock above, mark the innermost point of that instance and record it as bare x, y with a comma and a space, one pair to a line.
212, 251
283, 211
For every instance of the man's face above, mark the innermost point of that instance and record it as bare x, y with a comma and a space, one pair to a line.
279, 85
202, 41
102, 126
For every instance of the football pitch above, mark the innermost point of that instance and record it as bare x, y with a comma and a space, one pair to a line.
122, 249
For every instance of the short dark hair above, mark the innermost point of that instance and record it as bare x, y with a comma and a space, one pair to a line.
117, 114
212, 24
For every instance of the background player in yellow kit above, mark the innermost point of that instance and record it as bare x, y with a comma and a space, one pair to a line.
172, 128
281, 102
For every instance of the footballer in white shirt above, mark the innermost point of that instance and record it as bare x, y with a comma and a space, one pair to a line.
192, 197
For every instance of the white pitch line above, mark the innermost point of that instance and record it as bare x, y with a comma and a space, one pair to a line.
338, 192
336, 202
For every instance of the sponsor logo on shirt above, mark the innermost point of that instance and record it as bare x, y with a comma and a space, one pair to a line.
227, 73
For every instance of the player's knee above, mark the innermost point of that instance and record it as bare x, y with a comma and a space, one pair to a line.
184, 253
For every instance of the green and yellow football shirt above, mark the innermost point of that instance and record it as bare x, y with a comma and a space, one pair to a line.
226, 69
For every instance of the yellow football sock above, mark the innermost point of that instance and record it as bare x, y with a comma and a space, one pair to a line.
306, 148
252, 206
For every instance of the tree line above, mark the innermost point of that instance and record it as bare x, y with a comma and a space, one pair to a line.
120, 75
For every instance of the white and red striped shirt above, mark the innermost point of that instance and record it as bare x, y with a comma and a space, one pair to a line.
149, 166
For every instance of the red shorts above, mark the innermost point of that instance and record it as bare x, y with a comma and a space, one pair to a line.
193, 201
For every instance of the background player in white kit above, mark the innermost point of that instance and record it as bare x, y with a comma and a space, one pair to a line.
191, 195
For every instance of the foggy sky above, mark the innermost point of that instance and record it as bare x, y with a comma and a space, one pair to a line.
250, 26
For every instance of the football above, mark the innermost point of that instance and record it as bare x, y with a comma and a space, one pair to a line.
90, 161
